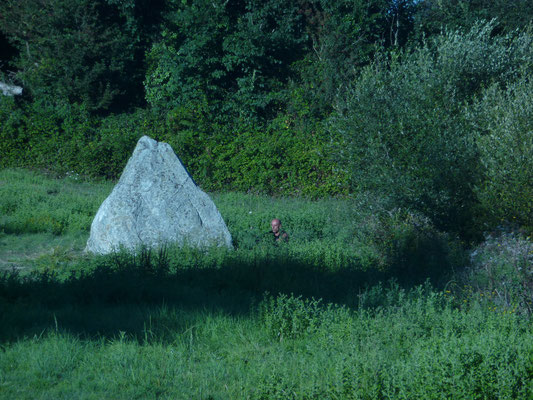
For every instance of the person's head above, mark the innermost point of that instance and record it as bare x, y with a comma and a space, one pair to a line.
275, 224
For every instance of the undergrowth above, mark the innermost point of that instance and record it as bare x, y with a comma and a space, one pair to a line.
366, 301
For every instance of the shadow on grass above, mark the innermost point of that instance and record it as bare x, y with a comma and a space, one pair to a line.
146, 295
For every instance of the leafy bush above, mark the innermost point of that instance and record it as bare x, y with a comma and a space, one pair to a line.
105, 153
288, 317
503, 121
279, 159
404, 128
41, 135
408, 245
12, 136
68, 138
283, 157
502, 272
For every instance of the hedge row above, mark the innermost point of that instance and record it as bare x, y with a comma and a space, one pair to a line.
282, 157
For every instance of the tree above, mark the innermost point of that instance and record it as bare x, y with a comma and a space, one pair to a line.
404, 126
77, 51
235, 54
344, 36
433, 15
503, 121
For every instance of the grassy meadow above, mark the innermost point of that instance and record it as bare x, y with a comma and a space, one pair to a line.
366, 301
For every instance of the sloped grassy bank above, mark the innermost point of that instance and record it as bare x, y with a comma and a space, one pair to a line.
311, 319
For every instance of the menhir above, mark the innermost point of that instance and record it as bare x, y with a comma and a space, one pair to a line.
155, 203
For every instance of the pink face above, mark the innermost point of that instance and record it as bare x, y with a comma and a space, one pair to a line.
275, 225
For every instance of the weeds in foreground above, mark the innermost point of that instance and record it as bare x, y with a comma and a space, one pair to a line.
413, 344
186, 323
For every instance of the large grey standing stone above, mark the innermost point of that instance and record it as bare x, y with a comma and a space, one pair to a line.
156, 202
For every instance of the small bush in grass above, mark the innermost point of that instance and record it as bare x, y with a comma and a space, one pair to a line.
409, 246
289, 317
502, 273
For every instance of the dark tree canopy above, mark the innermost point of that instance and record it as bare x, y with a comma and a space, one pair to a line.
78, 51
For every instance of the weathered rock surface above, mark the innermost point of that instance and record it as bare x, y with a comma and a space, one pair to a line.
10, 90
156, 202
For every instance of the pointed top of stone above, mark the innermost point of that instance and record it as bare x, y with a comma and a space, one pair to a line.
156, 202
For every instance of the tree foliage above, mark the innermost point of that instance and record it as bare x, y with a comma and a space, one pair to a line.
241, 55
234, 53
76, 51
404, 125
503, 120
403, 97
432, 16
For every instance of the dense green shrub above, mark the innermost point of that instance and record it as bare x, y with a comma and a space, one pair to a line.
281, 159
68, 138
12, 136
42, 135
287, 317
241, 93
106, 152
284, 156
503, 121
408, 245
502, 273
80, 51
241, 58
404, 128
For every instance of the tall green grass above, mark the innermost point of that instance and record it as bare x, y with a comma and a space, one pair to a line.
310, 319
33, 203
45, 221
363, 232
416, 345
